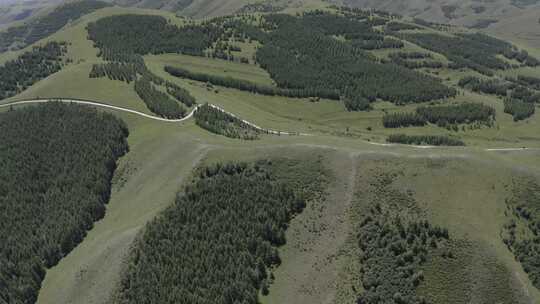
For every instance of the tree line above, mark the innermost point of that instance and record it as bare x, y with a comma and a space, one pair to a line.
522, 229
518, 109
157, 101
56, 165
245, 85
219, 240
475, 51
219, 122
432, 140
30, 67
462, 113
18, 37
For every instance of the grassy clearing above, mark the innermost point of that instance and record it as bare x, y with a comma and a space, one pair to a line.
211, 66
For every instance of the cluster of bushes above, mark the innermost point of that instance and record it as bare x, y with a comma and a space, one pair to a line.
249, 86
41, 27
518, 109
300, 53
218, 240
57, 162
432, 140
522, 231
457, 113
475, 51
403, 119
30, 67
158, 102
219, 122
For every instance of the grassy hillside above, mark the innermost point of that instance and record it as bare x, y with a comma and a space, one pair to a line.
462, 189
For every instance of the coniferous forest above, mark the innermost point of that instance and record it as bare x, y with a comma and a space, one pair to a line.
219, 122
56, 165
218, 241
21, 36
328, 68
30, 67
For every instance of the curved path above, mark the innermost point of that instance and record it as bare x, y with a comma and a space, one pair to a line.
269, 131
108, 106
96, 104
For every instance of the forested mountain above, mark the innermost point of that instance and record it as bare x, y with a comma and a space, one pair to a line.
17, 37
56, 166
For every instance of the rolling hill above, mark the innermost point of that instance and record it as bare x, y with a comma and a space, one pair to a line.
333, 156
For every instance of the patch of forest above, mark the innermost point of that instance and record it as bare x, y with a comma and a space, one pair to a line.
395, 240
521, 233
431, 140
21, 36
218, 242
157, 101
122, 40
518, 109
442, 116
219, 122
56, 166
30, 67
475, 51
118, 36
248, 86
302, 53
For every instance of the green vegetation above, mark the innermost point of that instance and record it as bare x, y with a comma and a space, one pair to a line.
217, 241
401, 119
433, 140
301, 53
476, 51
219, 122
245, 85
468, 112
24, 35
157, 101
487, 86
443, 116
56, 167
392, 253
522, 231
121, 37
30, 67
518, 109
180, 94
394, 243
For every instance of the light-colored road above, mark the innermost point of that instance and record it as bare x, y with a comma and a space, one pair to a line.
96, 104
269, 131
